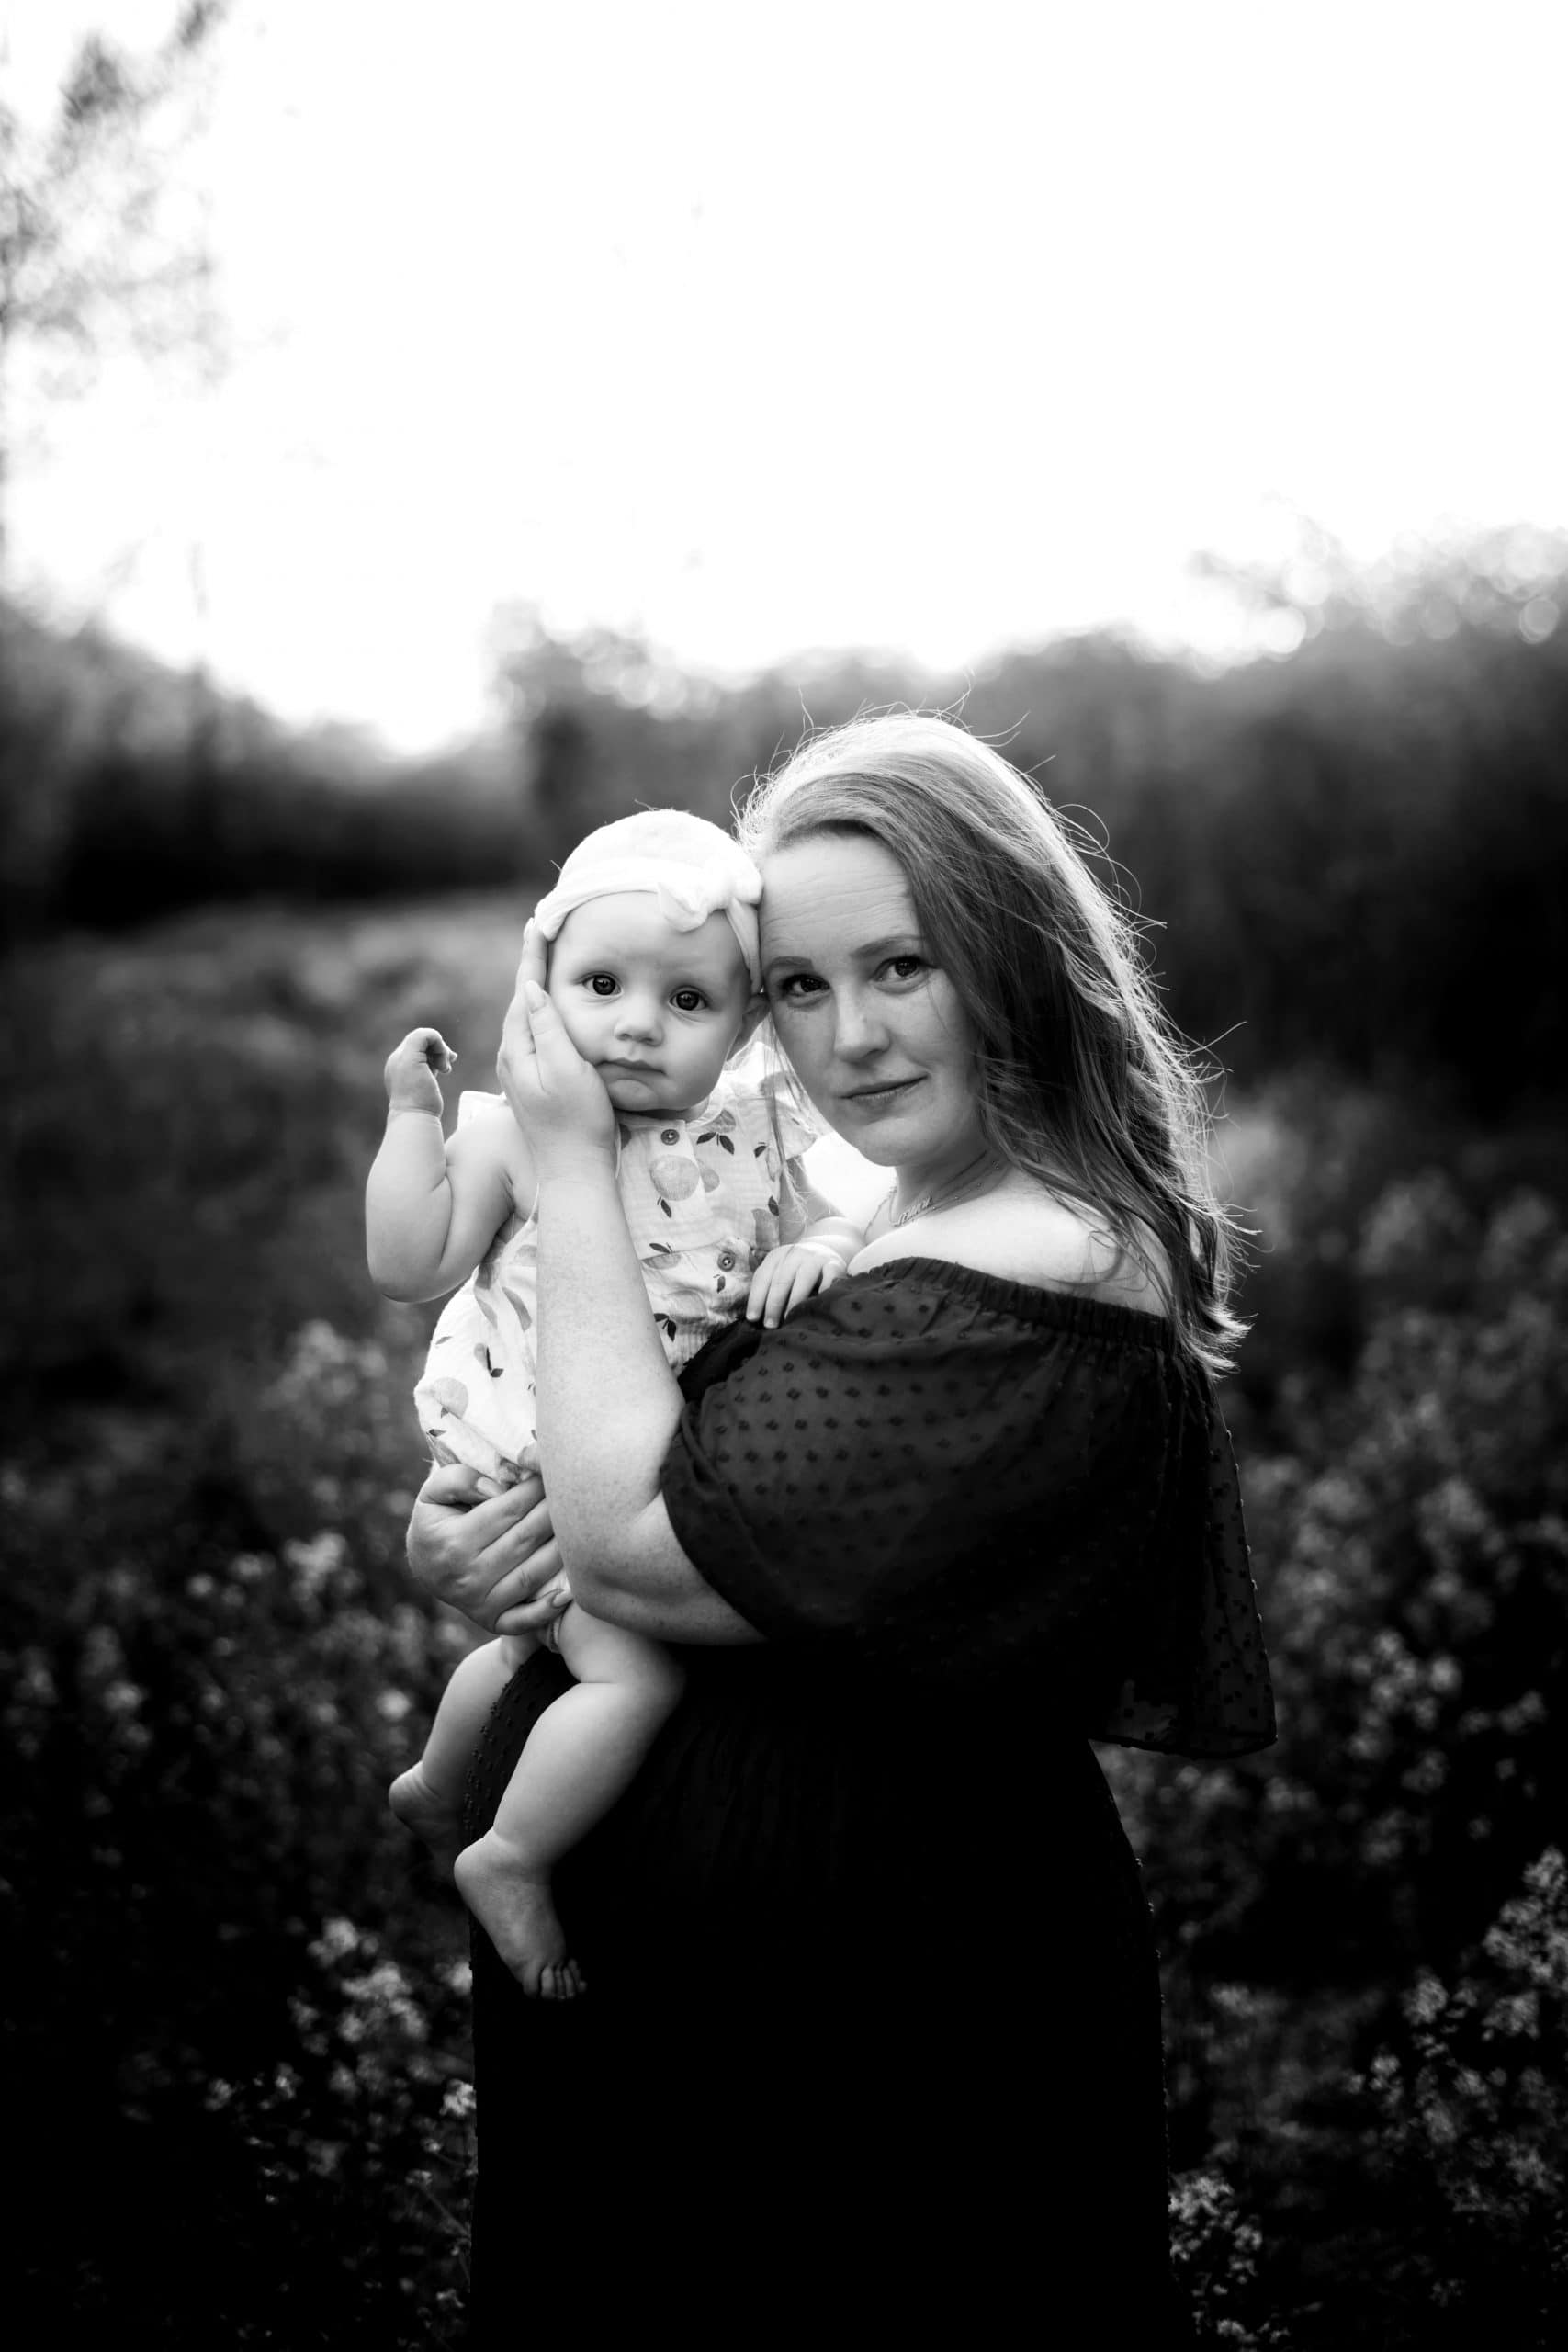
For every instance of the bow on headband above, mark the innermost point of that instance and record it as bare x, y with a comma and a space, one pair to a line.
687, 900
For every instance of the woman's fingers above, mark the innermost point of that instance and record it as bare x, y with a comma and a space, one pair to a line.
515, 1062
531, 1598
535, 955
559, 1100
459, 1547
561, 1064
452, 1483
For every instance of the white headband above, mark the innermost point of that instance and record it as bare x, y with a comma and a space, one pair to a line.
689, 889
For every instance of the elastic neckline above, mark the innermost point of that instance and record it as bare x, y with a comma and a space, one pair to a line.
1063, 1310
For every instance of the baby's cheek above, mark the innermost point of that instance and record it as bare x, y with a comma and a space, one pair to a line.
578, 1023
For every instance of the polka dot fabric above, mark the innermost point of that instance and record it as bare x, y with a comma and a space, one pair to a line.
941, 1477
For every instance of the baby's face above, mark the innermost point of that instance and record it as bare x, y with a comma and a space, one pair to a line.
655, 1009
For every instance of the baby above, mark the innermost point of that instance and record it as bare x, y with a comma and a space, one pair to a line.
654, 970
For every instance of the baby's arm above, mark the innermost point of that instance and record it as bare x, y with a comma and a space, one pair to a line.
814, 1259
433, 1206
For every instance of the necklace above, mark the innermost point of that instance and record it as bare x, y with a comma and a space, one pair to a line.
943, 1194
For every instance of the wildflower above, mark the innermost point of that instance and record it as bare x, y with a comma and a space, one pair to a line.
338, 1937
315, 1564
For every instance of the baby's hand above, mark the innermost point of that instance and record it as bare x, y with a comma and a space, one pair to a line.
787, 1275
411, 1072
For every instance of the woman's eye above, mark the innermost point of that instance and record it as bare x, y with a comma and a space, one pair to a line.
799, 984
688, 999
602, 983
904, 968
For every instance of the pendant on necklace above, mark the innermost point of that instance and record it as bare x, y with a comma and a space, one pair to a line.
939, 1193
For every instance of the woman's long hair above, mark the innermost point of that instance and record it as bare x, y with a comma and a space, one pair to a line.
1081, 1080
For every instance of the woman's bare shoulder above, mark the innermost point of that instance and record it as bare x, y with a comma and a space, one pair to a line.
1025, 1234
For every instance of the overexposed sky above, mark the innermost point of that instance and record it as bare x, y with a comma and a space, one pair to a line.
761, 328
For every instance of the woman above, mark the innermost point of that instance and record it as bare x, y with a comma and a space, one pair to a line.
871, 2038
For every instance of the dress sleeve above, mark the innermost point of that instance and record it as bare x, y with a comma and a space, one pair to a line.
909, 1476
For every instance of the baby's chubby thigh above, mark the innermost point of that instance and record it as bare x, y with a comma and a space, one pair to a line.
597, 1652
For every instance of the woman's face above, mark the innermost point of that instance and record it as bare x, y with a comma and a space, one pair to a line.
875, 1031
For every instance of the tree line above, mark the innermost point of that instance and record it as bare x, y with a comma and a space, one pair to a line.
1356, 854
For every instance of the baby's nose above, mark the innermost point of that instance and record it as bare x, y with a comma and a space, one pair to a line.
639, 1018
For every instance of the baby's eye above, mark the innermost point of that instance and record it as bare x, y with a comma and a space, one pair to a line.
688, 1000
601, 983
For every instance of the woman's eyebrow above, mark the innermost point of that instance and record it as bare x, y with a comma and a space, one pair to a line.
870, 951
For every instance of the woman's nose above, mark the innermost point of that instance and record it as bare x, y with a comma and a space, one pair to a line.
859, 1029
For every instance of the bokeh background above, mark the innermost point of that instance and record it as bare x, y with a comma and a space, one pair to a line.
428, 433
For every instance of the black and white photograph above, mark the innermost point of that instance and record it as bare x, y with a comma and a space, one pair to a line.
783, 848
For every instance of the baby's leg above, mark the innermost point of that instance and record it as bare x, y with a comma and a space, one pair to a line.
428, 1797
583, 1752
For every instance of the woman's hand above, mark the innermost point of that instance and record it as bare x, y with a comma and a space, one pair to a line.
488, 1552
556, 1099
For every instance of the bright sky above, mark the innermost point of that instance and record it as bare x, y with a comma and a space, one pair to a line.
922, 327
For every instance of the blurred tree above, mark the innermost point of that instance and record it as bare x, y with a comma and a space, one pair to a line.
101, 253
92, 249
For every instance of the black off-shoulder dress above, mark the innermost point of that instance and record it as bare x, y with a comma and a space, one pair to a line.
871, 2048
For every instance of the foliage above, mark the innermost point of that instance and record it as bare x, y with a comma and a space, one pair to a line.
1471, 2108
210, 2005
1410, 1536
1214, 2249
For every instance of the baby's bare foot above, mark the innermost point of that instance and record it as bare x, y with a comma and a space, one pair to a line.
517, 1912
420, 1808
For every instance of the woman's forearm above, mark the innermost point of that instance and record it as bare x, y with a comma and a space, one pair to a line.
608, 1403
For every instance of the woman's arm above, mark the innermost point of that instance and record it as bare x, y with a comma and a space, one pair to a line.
608, 1403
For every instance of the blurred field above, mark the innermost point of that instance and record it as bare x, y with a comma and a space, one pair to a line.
238, 2002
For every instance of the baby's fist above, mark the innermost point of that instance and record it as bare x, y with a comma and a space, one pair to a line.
411, 1072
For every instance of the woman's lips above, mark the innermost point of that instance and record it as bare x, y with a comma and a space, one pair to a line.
879, 1098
